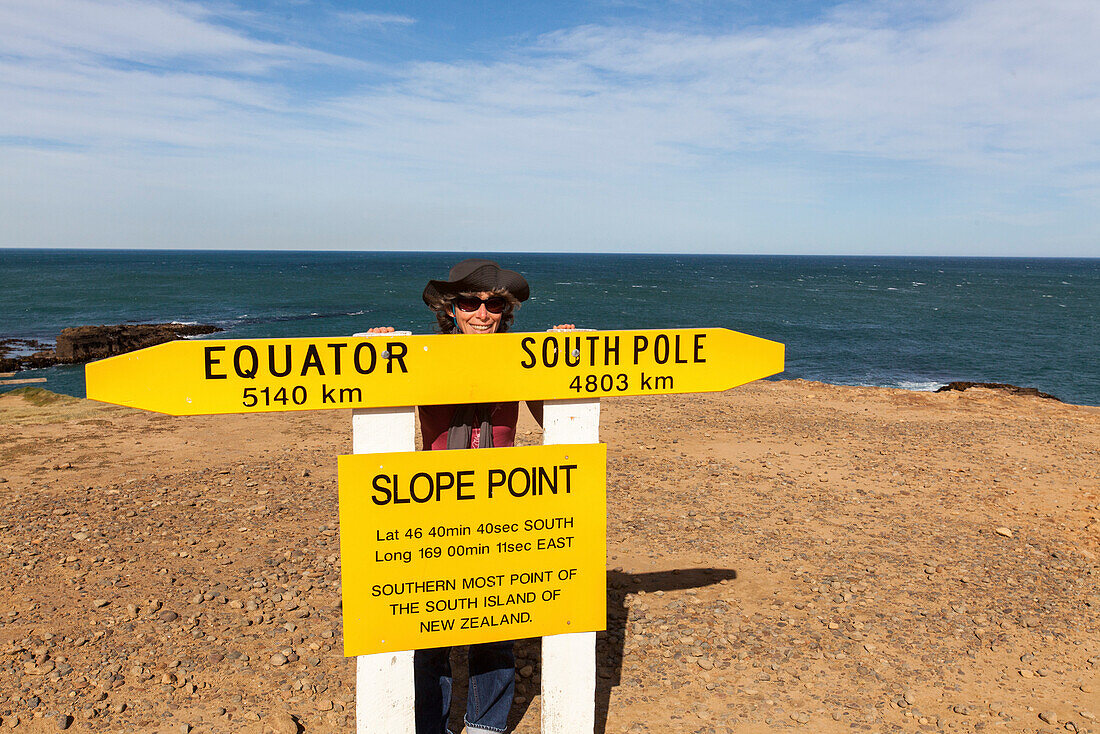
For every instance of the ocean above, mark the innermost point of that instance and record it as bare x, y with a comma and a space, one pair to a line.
914, 323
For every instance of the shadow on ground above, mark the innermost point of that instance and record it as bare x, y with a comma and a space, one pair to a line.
609, 643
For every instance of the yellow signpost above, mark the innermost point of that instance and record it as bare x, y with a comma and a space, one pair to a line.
200, 377
444, 548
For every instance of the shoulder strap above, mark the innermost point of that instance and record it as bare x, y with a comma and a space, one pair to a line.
462, 426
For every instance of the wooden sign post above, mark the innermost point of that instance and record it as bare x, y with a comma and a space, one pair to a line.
381, 376
384, 692
569, 660
384, 696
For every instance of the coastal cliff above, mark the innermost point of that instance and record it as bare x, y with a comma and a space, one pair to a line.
87, 343
81, 344
1012, 389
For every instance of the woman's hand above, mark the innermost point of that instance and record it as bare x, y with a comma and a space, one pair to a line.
380, 330
565, 327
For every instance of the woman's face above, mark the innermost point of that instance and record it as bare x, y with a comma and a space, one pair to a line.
480, 321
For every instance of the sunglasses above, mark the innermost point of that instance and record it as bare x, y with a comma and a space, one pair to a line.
469, 304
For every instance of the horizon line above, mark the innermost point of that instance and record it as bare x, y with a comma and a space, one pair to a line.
548, 252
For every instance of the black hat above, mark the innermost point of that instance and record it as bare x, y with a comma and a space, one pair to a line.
474, 276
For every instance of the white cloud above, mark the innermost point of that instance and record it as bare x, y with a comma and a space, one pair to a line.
374, 19
1007, 84
685, 125
128, 30
118, 74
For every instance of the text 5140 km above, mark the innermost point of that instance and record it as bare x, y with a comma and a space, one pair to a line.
298, 395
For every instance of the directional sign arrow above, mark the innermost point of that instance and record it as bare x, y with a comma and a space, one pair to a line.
266, 375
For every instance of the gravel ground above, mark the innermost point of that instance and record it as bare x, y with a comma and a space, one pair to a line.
787, 555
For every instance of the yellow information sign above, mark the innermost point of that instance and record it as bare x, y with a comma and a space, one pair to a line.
202, 377
446, 548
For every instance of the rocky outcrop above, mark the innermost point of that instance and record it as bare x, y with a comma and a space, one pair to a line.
87, 343
42, 357
1013, 389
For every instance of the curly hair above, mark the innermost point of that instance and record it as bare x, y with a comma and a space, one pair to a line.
445, 322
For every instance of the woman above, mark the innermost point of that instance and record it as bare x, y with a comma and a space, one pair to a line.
478, 298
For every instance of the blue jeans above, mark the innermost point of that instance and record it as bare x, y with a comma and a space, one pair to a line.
492, 685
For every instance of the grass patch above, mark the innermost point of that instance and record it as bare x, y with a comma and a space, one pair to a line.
40, 396
37, 406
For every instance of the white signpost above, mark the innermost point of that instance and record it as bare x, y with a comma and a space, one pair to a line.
569, 661
384, 695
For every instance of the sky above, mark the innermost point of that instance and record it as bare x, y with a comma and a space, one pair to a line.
967, 127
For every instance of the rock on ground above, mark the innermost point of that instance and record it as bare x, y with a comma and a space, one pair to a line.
787, 555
